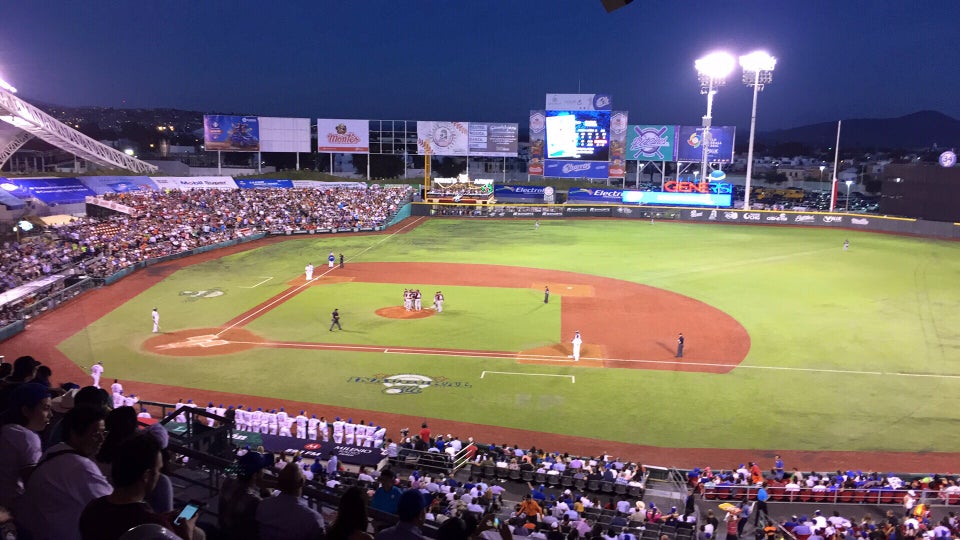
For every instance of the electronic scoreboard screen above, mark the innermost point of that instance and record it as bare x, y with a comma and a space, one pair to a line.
583, 135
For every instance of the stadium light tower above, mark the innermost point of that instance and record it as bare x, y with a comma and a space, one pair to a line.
7, 86
757, 72
712, 71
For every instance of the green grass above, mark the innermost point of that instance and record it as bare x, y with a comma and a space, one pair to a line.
833, 334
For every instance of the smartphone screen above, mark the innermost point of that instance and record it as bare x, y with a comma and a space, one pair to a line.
187, 513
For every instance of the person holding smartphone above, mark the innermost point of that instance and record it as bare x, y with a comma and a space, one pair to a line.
135, 472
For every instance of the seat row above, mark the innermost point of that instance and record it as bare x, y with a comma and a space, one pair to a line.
492, 472
804, 495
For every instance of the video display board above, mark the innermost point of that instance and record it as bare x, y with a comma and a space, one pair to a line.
720, 149
231, 133
494, 139
578, 135
346, 136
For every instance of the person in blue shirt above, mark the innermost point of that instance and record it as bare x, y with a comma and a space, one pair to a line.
387, 495
778, 468
761, 509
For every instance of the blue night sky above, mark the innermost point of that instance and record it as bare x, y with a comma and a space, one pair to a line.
483, 60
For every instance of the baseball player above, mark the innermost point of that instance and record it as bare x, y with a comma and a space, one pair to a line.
212, 410
312, 427
240, 419
131, 400
349, 431
406, 299
118, 400
155, 315
96, 371
378, 435
255, 418
577, 341
271, 422
438, 301
302, 426
181, 415
323, 429
282, 418
331, 259
417, 305
309, 270
338, 430
116, 387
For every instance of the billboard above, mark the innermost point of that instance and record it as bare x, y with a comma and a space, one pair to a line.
678, 199
652, 143
231, 133
494, 139
194, 182
284, 134
538, 130
345, 136
558, 168
579, 102
720, 150
519, 193
51, 191
578, 135
442, 138
618, 144
595, 196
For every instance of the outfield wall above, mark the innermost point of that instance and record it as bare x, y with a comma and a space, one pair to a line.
865, 222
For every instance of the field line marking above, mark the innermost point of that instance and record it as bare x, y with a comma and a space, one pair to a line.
283, 297
258, 284
731, 265
531, 374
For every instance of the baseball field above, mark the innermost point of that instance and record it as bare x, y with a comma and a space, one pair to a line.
792, 345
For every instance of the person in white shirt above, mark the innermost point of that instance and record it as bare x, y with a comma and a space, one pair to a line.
131, 400
30, 410
116, 387
117, 400
181, 415
379, 434
240, 419
220, 411
256, 417
211, 410
282, 419
338, 430
312, 423
349, 431
96, 371
270, 422
302, 426
309, 270
144, 414
577, 341
155, 315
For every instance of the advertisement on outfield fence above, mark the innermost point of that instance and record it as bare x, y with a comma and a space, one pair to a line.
532, 194
618, 144
265, 183
443, 138
652, 143
231, 133
492, 139
720, 150
344, 136
592, 195
538, 132
677, 199
576, 169
193, 182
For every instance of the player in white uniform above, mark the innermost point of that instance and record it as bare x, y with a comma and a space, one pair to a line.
240, 419
212, 410
312, 427
368, 439
269, 422
338, 430
116, 387
118, 400
417, 304
349, 431
438, 301
143, 414
285, 427
302, 426
331, 259
131, 400
406, 299
220, 410
155, 315
378, 436
255, 418
323, 430
309, 270
181, 416
282, 417
96, 371
576, 346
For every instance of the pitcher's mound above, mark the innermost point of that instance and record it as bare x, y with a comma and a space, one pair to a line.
397, 312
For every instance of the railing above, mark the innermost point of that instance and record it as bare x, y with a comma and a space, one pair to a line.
877, 496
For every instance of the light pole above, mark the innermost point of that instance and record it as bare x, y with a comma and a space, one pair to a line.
846, 208
822, 167
712, 70
757, 72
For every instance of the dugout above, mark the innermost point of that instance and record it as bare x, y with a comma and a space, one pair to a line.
922, 190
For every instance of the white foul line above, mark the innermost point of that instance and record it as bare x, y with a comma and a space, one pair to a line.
573, 380
295, 290
258, 284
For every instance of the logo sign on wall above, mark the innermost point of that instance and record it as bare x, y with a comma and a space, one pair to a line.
346, 136
652, 143
579, 102
442, 138
538, 129
492, 139
948, 159
618, 144
576, 169
690, 144
231, 133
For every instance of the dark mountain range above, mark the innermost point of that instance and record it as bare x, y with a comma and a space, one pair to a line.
922, 129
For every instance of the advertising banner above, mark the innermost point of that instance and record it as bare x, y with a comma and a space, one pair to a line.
575, 169
538, 131
117, 184
652, 143
318, 184
345, 136
346, 453
689, 139
284, 134
519, 193
591, 195
442, 138
493, 139
231, 133
51, 191
618, 144
264, 183
194, 182
677, 199
579, 102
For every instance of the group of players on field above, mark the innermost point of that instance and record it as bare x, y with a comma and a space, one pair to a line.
412, 300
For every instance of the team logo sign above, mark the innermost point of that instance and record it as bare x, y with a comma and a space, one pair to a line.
206, 293
408, 383
948, 159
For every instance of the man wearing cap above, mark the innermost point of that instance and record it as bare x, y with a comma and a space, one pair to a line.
577, 341
240, 497
155, 315
287, 516
96, 371
411, 509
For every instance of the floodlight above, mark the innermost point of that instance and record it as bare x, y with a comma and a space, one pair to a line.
7, 86
128, 151
758, 61
714, 67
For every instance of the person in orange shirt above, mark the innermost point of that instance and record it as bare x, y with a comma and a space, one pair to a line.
756, 475
530, 507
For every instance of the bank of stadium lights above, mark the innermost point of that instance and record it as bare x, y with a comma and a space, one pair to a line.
757, 72
712, 71
7, 86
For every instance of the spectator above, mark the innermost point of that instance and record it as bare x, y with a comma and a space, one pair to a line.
387, 495
135, 473
24, 370
161, 498
240, 497
411, 511
287, 516
351, 522
28, 413
121, 424
66, 479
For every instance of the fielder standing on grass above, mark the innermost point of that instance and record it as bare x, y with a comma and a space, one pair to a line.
309, 270
156, 320
546, 294
335, 320
96, 371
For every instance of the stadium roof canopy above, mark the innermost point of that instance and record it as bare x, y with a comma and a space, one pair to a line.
21, 121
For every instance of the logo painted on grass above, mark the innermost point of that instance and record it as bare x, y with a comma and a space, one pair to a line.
408, 383
206, 293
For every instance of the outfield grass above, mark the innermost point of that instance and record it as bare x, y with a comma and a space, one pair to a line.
834, 335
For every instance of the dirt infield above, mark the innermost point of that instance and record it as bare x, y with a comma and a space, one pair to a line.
202, 342
44, 333
398, 312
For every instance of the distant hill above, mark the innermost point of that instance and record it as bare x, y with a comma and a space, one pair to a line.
921, 129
